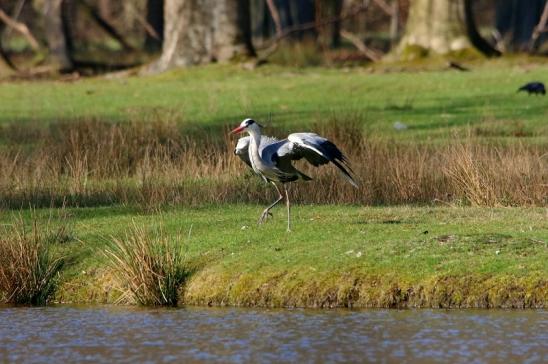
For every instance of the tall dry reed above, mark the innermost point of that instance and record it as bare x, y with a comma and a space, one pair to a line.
28, 267
154, 164
151, 267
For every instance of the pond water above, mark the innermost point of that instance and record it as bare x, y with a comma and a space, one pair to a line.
105, 334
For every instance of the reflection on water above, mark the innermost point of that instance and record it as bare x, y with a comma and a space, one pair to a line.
72, 334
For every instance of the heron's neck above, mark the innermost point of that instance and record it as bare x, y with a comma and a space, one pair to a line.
255, 136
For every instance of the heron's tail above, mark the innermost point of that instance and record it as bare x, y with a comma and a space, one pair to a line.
345, 173
304, 176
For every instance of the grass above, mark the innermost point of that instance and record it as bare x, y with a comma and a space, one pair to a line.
160, 164
433, 103
150, 264
29, 269
336, 256
451, 212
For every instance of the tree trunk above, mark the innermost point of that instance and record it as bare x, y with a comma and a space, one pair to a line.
5, 61
336, 30
267, 24
305, 15
284, 8
56, 35
104, 9
434, 26
394, 22
203, 31
155, 19
473, 34
516, 20
328, 35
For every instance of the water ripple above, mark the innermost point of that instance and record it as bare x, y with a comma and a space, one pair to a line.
104, 334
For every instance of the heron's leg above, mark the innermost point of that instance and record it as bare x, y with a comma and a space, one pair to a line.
266, 212
288, 209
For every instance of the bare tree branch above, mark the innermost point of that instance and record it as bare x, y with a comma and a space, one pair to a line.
316, 24
106, 26
358, 43
384, 6
368, 52
539, 29
20, 28
16, 12
141, 19
275, 16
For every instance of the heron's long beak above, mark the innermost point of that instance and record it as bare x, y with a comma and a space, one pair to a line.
238, 130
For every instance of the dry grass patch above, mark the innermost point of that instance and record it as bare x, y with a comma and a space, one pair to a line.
29, 269
156, 164
151, 266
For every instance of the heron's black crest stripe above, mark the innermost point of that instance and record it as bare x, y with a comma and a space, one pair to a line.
251, 121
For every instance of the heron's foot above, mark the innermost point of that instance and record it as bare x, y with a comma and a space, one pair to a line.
264, 216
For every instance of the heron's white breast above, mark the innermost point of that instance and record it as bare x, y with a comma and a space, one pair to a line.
259, 165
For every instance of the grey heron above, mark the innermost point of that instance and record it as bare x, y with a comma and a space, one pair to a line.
272, 159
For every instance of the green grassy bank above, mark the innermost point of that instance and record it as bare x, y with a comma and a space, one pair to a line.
336, 256
426, 233
433, 104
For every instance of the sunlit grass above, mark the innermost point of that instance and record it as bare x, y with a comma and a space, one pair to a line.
470, 140
433, 104
406, 246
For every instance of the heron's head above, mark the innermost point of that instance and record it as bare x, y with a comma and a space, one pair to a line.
247, 125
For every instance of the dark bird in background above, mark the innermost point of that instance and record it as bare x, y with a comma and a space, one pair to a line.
272, 159
457, 66
533, 88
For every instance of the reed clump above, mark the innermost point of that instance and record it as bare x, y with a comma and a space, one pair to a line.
154, 164
29, 268
151, 267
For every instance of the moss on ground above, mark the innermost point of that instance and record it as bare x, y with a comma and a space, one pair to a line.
290, 289
337, 256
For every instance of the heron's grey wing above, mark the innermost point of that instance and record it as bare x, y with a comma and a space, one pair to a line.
317, 151
282, 167
267, 146
242, 149
269, 149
